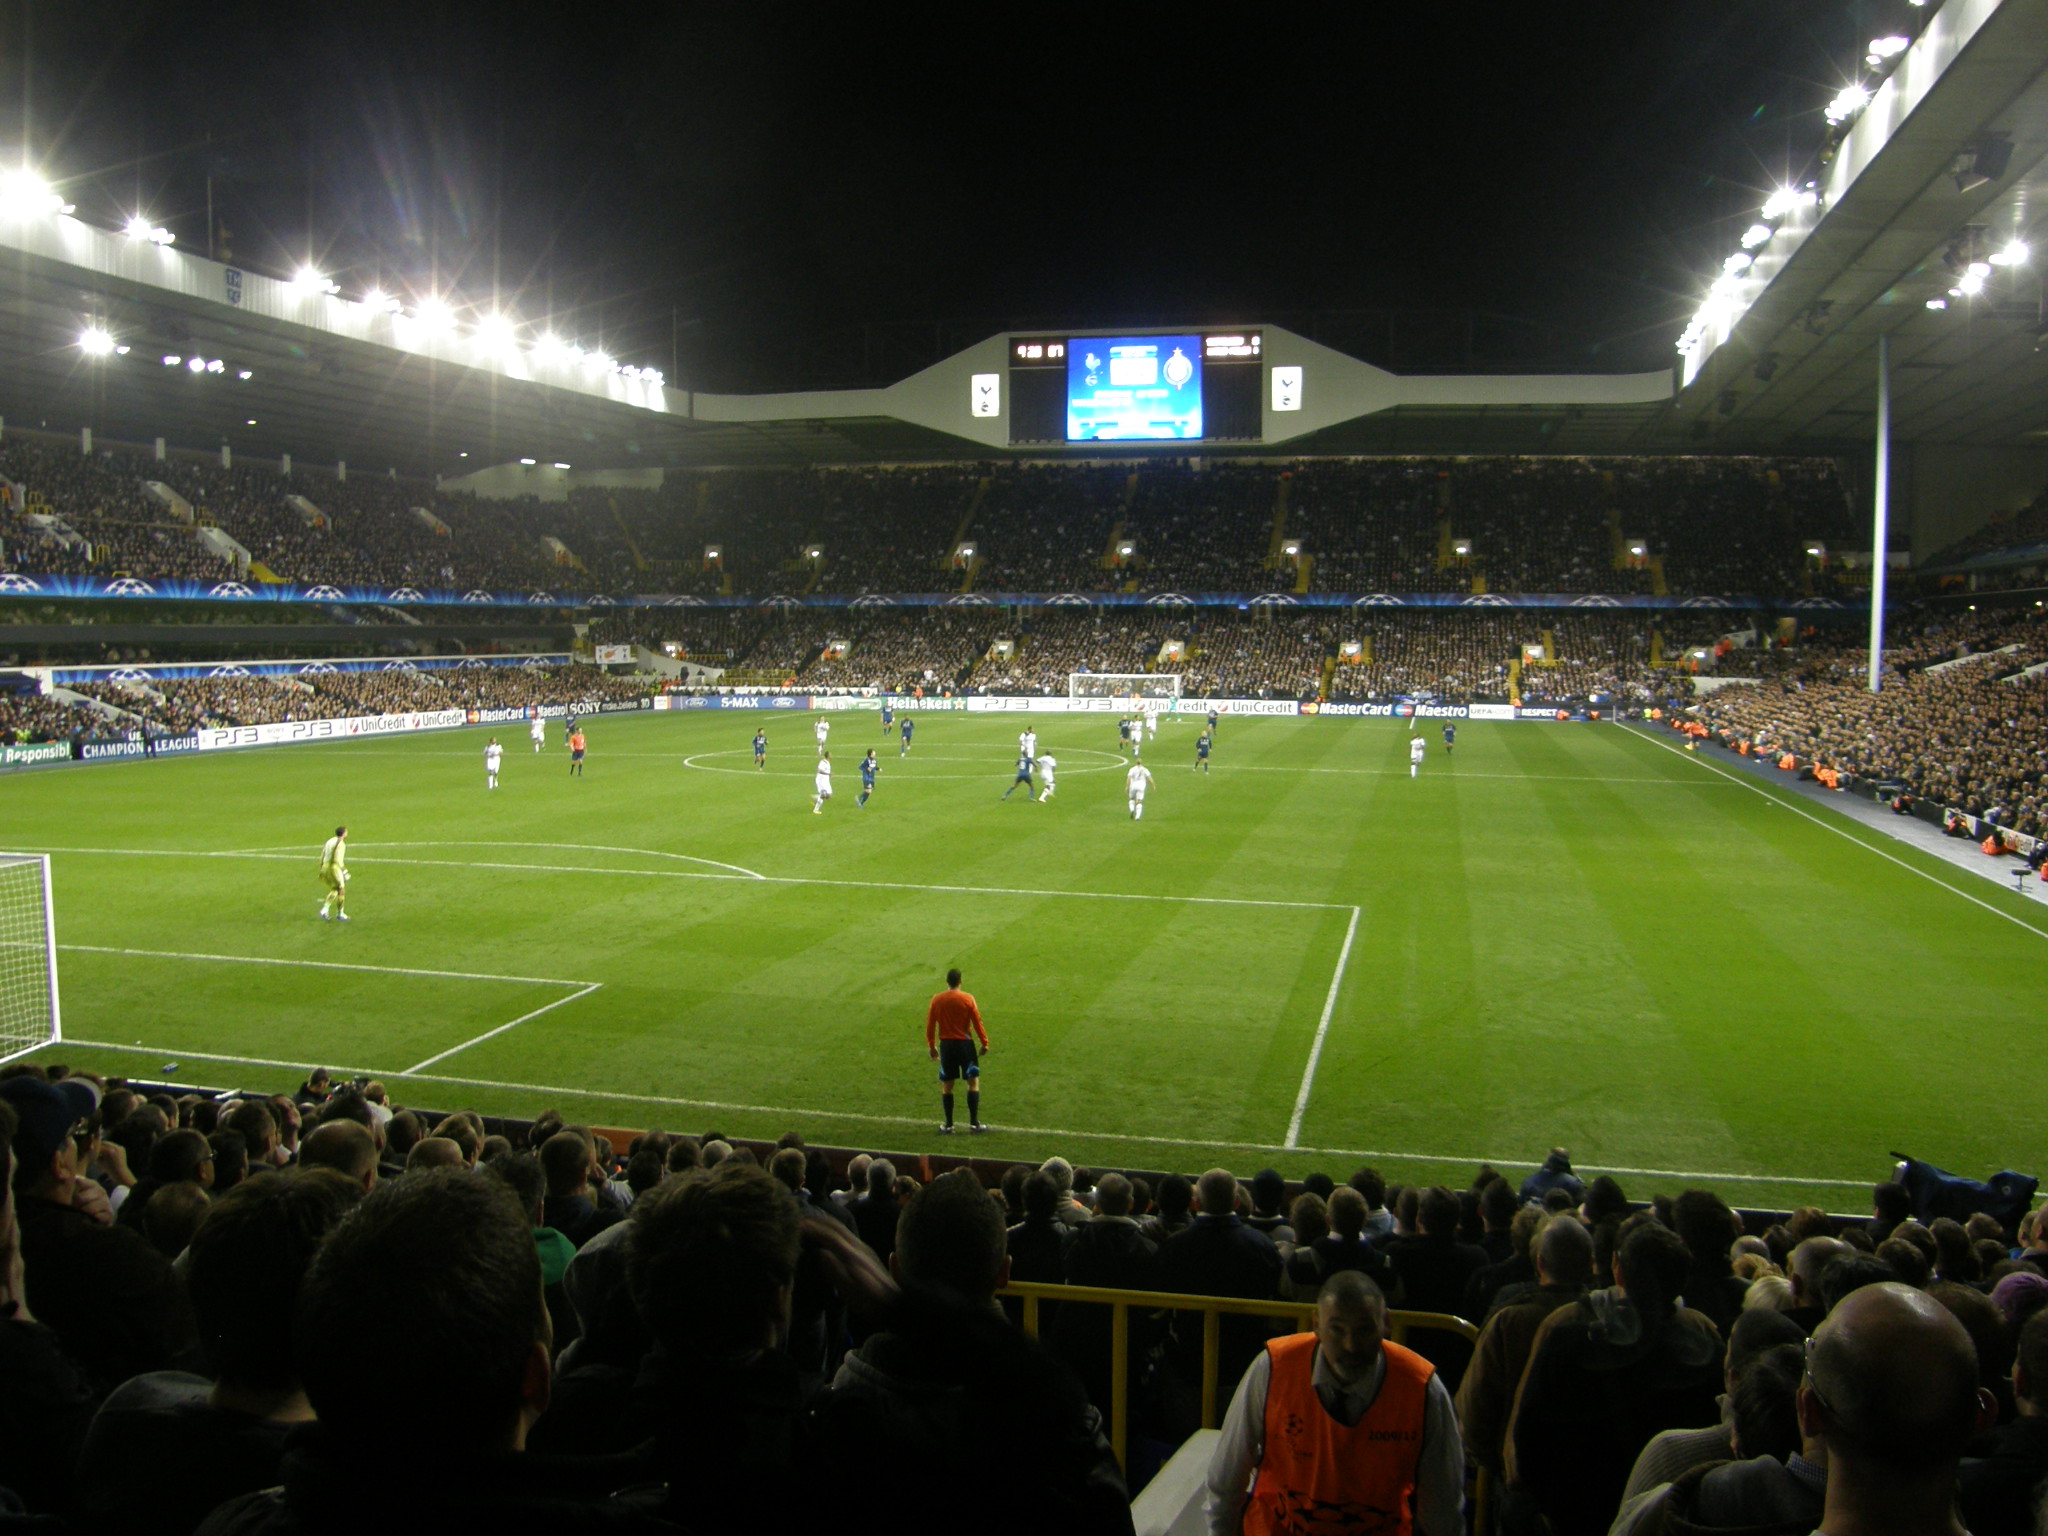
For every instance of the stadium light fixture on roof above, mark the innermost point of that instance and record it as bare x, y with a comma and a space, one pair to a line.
1937, 303
171, 359
245, 375
1756, 235
383, 302
434, 316
1788, 200
1882, 48
139, 227
1739, 262
94, 341
1970, 284
196, 364
310, 280
560, 465
2013, 254
1848, 101
496, 333
527, 462
25, 195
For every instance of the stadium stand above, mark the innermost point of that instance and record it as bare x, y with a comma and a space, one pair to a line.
1706, 527
116, 1403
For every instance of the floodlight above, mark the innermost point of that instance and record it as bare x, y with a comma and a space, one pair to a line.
2014, 254
310, 279
137, 227
1937, 303
560, 465
216, 366
93, 341
252, 421
245, 375
1786, 199
171, 360
497, 333
1739, 262
196, 364
121, 351
1889, 47
1756, 235
1979, 269
527, 462
1969, 285
25, 195
434, 316
1850, 100
597, 362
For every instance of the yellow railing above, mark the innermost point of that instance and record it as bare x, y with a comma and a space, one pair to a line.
1399, 1326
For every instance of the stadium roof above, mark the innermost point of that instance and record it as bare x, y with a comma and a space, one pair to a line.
1785, 362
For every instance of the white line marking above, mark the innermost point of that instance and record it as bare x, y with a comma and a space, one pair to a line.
913, 1121
325, 965
456, 1050
1800, 810
696, 760
1671, 780
1315, 1051
691, 874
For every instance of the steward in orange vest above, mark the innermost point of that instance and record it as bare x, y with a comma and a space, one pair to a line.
1354, 1434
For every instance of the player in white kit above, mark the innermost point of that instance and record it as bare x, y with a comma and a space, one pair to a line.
1046, 764
1417, 749
1028, 742
821, 730
539, 732
821, 785
1151, 724
493, 756
1137, 781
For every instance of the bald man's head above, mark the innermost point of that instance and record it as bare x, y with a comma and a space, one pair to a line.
343, 1146
1564, 1252
1893, 1378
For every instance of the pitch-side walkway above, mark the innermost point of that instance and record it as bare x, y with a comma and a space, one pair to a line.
1960, 851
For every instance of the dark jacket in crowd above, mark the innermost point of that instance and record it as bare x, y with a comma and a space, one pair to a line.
1601, 1381
159, 1457
2001, 1470
1434, 1272
106, 1293
46, 1402
1556, 1173
1109, 1252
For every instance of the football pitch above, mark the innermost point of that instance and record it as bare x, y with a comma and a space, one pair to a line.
1304, 959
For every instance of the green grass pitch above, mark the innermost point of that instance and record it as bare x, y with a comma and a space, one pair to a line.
1558, 934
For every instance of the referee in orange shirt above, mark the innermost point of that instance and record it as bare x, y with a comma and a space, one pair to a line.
951, 1025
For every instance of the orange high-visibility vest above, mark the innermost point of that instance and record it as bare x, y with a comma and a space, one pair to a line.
1316, 1474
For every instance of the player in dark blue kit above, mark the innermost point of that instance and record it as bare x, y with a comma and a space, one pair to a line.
908, 726
1450, 735
760, 749
1212, 722
1024, 764
888, 716
868, 769
1202, 751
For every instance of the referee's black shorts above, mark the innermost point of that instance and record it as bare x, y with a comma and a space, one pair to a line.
958, 1058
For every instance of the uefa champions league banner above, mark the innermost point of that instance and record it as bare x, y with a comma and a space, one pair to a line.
163, 589
65, 676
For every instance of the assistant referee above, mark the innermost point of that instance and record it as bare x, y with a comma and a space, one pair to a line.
951, 1025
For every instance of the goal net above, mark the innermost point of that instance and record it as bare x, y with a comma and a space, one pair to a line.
1123, 685
28, 956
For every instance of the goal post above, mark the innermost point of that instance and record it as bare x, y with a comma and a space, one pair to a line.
1139, 687
29, 1014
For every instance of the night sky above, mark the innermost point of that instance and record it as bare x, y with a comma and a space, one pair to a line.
815, 196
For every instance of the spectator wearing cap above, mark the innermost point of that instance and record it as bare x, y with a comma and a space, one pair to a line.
106, 1293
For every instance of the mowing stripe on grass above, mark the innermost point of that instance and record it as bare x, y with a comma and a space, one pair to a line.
329, 965
1841, 832
1315, 1051
723, 1107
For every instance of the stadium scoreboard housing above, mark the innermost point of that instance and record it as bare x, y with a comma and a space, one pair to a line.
1167, 387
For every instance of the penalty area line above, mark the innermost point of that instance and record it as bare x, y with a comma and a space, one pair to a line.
1315, 1051
923, 1122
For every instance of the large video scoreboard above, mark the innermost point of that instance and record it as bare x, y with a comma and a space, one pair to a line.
1170, 387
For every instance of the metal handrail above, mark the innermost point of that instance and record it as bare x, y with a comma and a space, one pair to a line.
1032, 1293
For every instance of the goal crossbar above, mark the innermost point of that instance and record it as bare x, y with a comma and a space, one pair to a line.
1123, 685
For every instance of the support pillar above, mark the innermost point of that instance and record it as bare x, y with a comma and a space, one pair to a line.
1880, 536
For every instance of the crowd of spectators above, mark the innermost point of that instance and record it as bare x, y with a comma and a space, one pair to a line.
2027, 526
1957, 721
1716, 526
196, 1289
177, 705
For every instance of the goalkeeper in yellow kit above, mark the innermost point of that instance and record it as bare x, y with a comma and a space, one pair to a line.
334, 875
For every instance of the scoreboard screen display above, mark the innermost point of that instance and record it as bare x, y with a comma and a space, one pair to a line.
1193, 386
1121, 387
